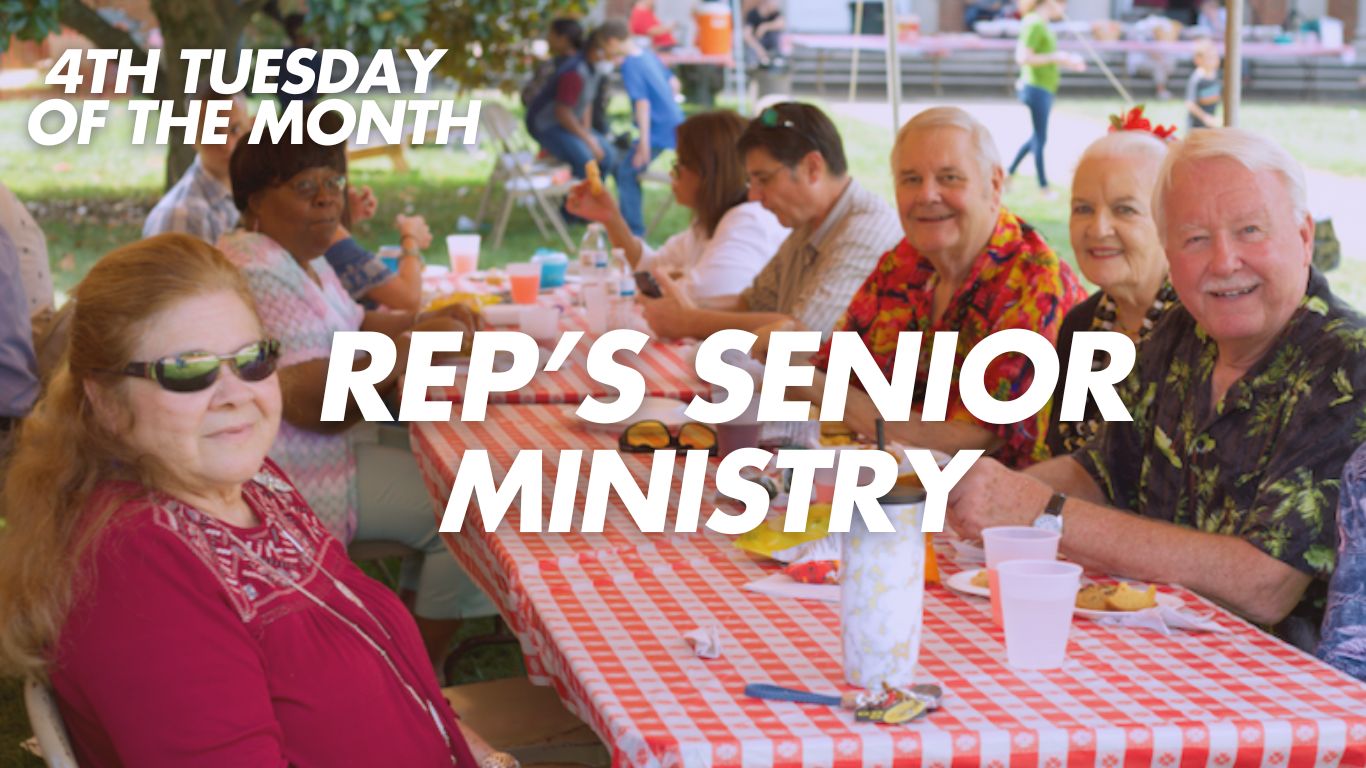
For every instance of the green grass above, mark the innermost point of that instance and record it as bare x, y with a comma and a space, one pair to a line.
1326, 137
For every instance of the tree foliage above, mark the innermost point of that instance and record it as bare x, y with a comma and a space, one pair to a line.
488, 41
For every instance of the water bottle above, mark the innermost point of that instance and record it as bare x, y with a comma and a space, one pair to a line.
624, 312
598, 287
594, 242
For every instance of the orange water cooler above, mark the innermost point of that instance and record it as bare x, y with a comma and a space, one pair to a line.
714, 31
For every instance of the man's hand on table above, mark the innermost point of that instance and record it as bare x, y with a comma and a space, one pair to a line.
760, 349
669, 315
991, 494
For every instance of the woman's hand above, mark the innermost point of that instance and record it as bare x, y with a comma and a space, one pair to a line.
414, 227
1072, 62
362, 202
641, 158
586, 205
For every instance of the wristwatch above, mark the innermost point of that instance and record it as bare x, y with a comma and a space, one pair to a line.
1051, 518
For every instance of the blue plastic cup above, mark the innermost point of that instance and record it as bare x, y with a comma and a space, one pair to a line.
554, 266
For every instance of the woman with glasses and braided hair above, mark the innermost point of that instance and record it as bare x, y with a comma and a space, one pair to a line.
291, 198
152, 548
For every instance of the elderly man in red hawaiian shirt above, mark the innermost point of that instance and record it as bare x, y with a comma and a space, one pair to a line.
966, 264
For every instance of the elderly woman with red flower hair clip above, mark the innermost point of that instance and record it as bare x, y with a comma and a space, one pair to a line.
1116, 245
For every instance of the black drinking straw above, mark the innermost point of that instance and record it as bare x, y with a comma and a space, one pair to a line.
881, 435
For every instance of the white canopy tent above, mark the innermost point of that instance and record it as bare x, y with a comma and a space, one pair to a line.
1233, 59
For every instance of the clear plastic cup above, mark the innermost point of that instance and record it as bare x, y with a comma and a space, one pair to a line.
463, 251
541, 323
1037, 599
1004, 543
595, 307
524, 282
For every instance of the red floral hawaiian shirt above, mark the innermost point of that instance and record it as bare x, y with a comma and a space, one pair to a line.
1017, 282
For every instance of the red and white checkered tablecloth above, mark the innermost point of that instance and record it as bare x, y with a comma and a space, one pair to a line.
667, 367
601, 617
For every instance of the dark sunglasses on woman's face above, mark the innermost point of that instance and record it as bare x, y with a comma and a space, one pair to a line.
196, 371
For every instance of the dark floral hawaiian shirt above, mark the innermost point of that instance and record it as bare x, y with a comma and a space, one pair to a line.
1264, 463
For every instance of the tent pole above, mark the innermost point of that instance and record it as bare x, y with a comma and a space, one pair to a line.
853, 65
893, 62
737, 57
1233, 62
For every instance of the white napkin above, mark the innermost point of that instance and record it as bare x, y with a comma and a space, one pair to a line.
827, 548
705, 641
782, 585
1162, 619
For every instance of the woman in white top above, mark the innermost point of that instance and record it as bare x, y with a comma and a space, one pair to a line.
729, 239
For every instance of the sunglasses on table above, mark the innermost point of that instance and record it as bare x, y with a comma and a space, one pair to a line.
196, 371
653, 435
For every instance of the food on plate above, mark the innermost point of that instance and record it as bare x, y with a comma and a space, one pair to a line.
1116, 597
472, 300
980, 579
835, 433
1126, 598
1092, 597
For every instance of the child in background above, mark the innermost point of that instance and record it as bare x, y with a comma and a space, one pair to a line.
1205, 89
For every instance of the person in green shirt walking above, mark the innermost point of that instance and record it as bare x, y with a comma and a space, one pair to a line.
1040, 69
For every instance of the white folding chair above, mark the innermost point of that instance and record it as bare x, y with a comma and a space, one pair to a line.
47, 724
516, 173
658, 177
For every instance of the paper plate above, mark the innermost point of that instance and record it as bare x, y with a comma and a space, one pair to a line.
962, 582
671, 412
502, 314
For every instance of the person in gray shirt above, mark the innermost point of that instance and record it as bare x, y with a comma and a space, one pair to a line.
18, 367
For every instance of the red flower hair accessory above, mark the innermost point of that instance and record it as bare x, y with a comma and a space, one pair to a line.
1134, 120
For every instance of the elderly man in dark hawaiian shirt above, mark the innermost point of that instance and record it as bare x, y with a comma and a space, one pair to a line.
1246, 402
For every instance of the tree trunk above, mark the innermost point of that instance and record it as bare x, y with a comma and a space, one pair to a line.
184, 24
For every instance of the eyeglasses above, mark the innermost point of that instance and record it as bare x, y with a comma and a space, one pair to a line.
308, 189
653, 435
196, 371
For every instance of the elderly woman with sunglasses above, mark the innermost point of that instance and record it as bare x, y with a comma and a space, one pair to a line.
291, 197
729, 239
153, 549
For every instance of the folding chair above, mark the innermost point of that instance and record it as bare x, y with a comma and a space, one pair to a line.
47, 724
658, 177
521, 178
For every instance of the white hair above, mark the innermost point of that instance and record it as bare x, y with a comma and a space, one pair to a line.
1251, 150
1126, 145
952, 117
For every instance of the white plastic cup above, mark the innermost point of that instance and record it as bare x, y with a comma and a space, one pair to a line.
1037, 599
1004, 543
540, 323
463, 251
882, 586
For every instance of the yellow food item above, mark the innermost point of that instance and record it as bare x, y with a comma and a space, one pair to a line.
1116, 597
770, 536
981, 579
1126, 598
594, 176
1092, 597
463, 297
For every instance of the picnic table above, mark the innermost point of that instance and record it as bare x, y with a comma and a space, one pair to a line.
601, 618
